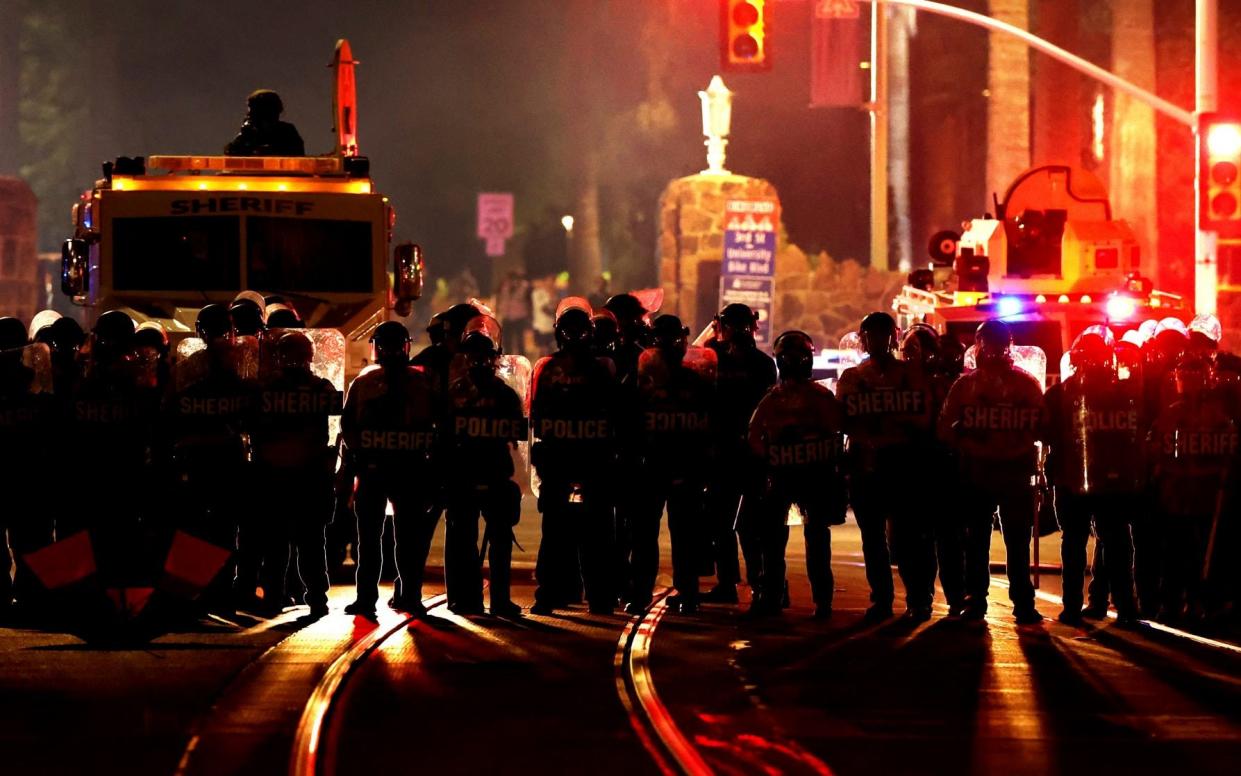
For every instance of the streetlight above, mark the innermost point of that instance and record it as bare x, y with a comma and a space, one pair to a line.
717, 113
567, 223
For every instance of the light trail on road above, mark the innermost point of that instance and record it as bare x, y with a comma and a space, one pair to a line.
307, 756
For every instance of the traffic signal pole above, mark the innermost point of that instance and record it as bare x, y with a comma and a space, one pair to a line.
1206, 100
879, 138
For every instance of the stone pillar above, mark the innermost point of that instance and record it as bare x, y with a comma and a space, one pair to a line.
691, 241
19, 260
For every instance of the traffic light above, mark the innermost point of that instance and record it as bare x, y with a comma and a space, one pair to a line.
1219, 154
745, 35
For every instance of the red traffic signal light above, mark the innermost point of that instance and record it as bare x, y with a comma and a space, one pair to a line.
745, 35
1219, 159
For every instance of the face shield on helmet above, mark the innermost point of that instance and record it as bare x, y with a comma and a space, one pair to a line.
794, 352
671, 337
1092, 352
1204, 334
214, 323
921, 346
574, 331
994, 341
390, 344
454, 321
294, 352
630, 316
736, 324
41, 326
481, 343
607, 331
878, 333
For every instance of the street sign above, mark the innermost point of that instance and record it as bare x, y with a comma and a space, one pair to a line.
754, 292
749, 262
750, 237
495, 220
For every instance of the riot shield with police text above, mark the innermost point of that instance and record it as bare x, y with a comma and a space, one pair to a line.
1104, 440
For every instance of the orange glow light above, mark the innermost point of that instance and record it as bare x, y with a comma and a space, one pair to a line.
238, 183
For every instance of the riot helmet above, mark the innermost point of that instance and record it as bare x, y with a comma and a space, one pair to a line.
65, 336
607, 330
671, 337
481, 345
1205, 332
630, 317
921, 346
994, 341
114, 330
794, 352
735, 325
247, 318
294, 352
574, 329
390, 344
12, 333
878, 333
41, 325
151, 334
1093, 351
435, 329
282, 316
214, 323
455, 319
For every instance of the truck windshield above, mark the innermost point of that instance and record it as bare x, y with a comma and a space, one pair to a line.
176, 254
302, 254
203, 253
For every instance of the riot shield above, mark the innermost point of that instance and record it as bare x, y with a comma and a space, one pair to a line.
30, 365
1196, 436
329, 359
1028, 358
516, 372
1104, 439
851, 351
190, 365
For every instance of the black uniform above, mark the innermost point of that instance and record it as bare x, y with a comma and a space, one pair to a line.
745, 374
207, 421
1096, 434
675, 437
485, 420
573, 416
25, 411
389, 427
294, 469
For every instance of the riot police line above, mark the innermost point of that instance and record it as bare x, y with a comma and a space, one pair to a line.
208, 471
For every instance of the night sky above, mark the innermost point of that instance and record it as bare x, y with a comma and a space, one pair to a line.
461, 97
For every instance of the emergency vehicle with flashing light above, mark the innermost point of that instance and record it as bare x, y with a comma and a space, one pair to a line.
1051, 262
161, 236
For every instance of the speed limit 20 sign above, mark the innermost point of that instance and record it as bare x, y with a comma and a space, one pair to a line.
495, 220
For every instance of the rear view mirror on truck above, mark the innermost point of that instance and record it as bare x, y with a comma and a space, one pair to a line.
75, 269
408, 268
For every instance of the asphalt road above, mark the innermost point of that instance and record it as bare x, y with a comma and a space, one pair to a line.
559, 694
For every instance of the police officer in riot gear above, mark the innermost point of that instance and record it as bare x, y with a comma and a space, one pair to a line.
437, 358
992, 418
389, 426
887, 412
24, 526
293, 473
1095, 432
485, 421
573, 413
1195, 442
922, 349
745, 374
796, 438
632, 334
674, 444
263, 133
209, 416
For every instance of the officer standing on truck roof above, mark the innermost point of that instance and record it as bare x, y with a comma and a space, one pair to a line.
262, 132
